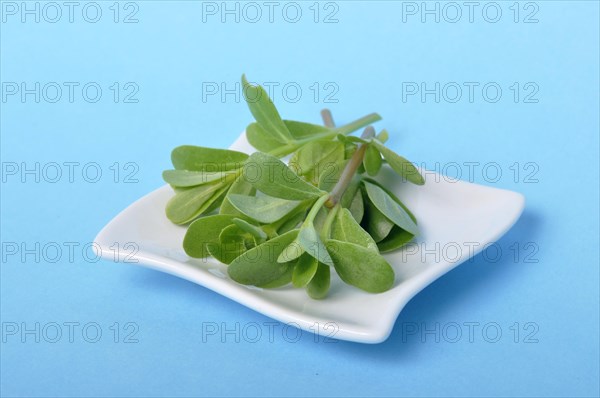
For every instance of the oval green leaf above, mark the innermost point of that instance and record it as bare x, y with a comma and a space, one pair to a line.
372, 160
197, 158
187, 178
291, 252
203, 231
356, 207
259, 266
346, 229
383, 136
190, 203
264, 111
261, 139
253, 230
374, 222
264, 209
400, 165
292, 220
361, 267
311, 243
283, 280
231, 244
239, 186
304, 270
319, 284
316, 156
272, 177
390, 208
393, 196
395, 240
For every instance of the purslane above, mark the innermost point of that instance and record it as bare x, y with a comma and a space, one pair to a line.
275, 223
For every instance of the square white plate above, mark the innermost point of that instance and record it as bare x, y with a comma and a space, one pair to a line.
457, 220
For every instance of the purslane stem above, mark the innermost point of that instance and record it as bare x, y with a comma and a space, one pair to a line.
349, 171
327, 118
344, 130
329, 221
315, 209
358, 124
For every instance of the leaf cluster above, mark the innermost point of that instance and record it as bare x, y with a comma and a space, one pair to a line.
275, 223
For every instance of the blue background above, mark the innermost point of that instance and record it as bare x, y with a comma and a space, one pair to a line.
551, 290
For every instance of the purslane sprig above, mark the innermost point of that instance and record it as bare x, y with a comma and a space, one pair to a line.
275, 223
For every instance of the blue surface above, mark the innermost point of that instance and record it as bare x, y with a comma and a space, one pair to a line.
370, 57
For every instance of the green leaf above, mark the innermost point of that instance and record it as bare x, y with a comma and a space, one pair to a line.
301, 130
401, 166
393, 196
353, 139
217, 200
253, 230
372, 160
272, 177
234, 234
346, 229
233, 241
291, 252
361, 169
197, 158
356, 207
186, 178
203, 231
320, 217
361, 267
390, 208
374, 222
239, 186
259, 266
304, 270
292, 220
395, 240
261, 139
383, 136
264, 111
319, 284
189, 203
264, 209
349, 149
311, 243
316, 157
281, 281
